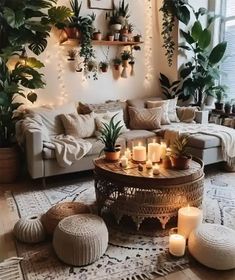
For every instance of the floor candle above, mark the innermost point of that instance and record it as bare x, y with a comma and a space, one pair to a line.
177, 243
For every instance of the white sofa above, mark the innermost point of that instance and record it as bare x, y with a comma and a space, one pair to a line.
41, 161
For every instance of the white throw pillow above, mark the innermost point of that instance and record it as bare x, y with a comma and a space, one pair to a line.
79, 126
164, 105
101, 118
172, 110
51, 117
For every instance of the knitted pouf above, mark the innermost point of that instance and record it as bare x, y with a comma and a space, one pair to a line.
213, 245
30, 230
80, 239
60, 211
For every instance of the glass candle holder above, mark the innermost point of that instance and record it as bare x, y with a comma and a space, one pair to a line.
177, 243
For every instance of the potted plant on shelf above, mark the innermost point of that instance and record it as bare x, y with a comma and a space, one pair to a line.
180, 158
104, 66
109, 135
117, 63
220, 93
137, 38
15, 78
97, 35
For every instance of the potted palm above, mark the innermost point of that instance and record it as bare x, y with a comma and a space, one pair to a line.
109, 135
15, 34
72, 27
180, 158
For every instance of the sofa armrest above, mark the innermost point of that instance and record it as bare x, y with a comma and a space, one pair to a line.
202, 117
34, 146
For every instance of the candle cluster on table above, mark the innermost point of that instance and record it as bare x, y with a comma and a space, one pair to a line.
189, 218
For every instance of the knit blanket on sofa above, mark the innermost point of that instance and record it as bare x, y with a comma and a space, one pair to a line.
226, 135
67, 148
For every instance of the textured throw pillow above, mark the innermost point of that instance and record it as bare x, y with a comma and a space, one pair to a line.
141, 118
79, 126
186, 114
50, 117
83, 109
164, 105
101, 118
172, 110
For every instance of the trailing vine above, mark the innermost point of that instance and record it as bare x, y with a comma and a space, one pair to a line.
172, 10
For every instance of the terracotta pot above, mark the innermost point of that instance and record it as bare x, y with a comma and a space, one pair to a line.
111, 38
112, 156
72, 32
97, 36
181, 163
219, 106
9, 164
125, 63
104, 69
116, 67
137, 38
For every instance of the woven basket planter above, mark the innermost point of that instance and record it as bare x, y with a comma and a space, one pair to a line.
30, 230
60, 211
214, 246
80, 239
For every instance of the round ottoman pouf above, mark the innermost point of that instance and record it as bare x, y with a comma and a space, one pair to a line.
30, 230
214, 246
80, 239
60, 211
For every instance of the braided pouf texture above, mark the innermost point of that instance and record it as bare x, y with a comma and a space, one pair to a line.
214, 246
80, 239
29, 230
60, 211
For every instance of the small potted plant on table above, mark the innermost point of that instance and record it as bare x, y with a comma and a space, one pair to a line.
180, 158
109, 135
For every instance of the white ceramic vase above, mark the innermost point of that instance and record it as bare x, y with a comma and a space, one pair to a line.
30, 230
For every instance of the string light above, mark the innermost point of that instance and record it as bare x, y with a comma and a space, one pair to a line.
148, 42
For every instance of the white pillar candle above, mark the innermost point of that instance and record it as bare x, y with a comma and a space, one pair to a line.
149, 164
154, 152
189, 218
139, 153
156, 169
124, 161
163, 149
127, 153
177, 245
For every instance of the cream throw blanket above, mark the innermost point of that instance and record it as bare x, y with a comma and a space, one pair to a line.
67, 148
226, 134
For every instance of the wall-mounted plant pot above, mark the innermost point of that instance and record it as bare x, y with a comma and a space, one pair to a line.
104, 69
125, 63
132, 63
116, 67
72, 32
97, 36
116, 27
219, 106
137, 38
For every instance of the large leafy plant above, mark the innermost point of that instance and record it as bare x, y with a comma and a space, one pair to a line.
22, 23
201, 73
170, 89
109, 134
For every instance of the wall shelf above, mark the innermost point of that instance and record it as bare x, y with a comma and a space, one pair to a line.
75, 42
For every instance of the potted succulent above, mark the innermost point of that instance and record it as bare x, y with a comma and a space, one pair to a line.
109, 135
117, 63
97, 35
72, 54
137, 38
220, 94
180, 158
125, 56
104, 66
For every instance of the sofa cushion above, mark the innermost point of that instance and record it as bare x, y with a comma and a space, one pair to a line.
137, 134
141, 102
203, 141
141, 118
79, 126
164, 105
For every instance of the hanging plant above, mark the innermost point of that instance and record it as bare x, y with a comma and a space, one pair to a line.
172, 10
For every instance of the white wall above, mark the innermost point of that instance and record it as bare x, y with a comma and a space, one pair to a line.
64, 85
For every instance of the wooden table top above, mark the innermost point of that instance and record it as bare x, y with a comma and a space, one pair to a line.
195, 171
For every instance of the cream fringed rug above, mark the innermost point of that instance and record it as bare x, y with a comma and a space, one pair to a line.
128, 255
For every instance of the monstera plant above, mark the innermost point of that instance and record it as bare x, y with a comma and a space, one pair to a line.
23, 24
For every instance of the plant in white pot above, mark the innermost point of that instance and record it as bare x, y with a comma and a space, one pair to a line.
180, 158
109, 134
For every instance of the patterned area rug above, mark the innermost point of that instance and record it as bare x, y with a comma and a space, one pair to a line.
128, 255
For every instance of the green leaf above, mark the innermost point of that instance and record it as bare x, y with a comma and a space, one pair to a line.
34, 63
183, 14
217, 53
32, 96
164, 80
186, 71
59, 14
205, 39
196, 30
189, 39
14, 19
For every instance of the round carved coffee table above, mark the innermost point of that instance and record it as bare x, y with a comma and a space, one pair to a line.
141, 195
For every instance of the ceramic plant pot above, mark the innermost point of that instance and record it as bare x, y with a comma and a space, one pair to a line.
112, 156
181, 162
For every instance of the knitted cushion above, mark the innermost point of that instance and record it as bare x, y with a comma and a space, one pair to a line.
60, 211
214, 246
80, 239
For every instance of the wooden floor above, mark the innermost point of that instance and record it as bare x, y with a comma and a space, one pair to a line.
7, 247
